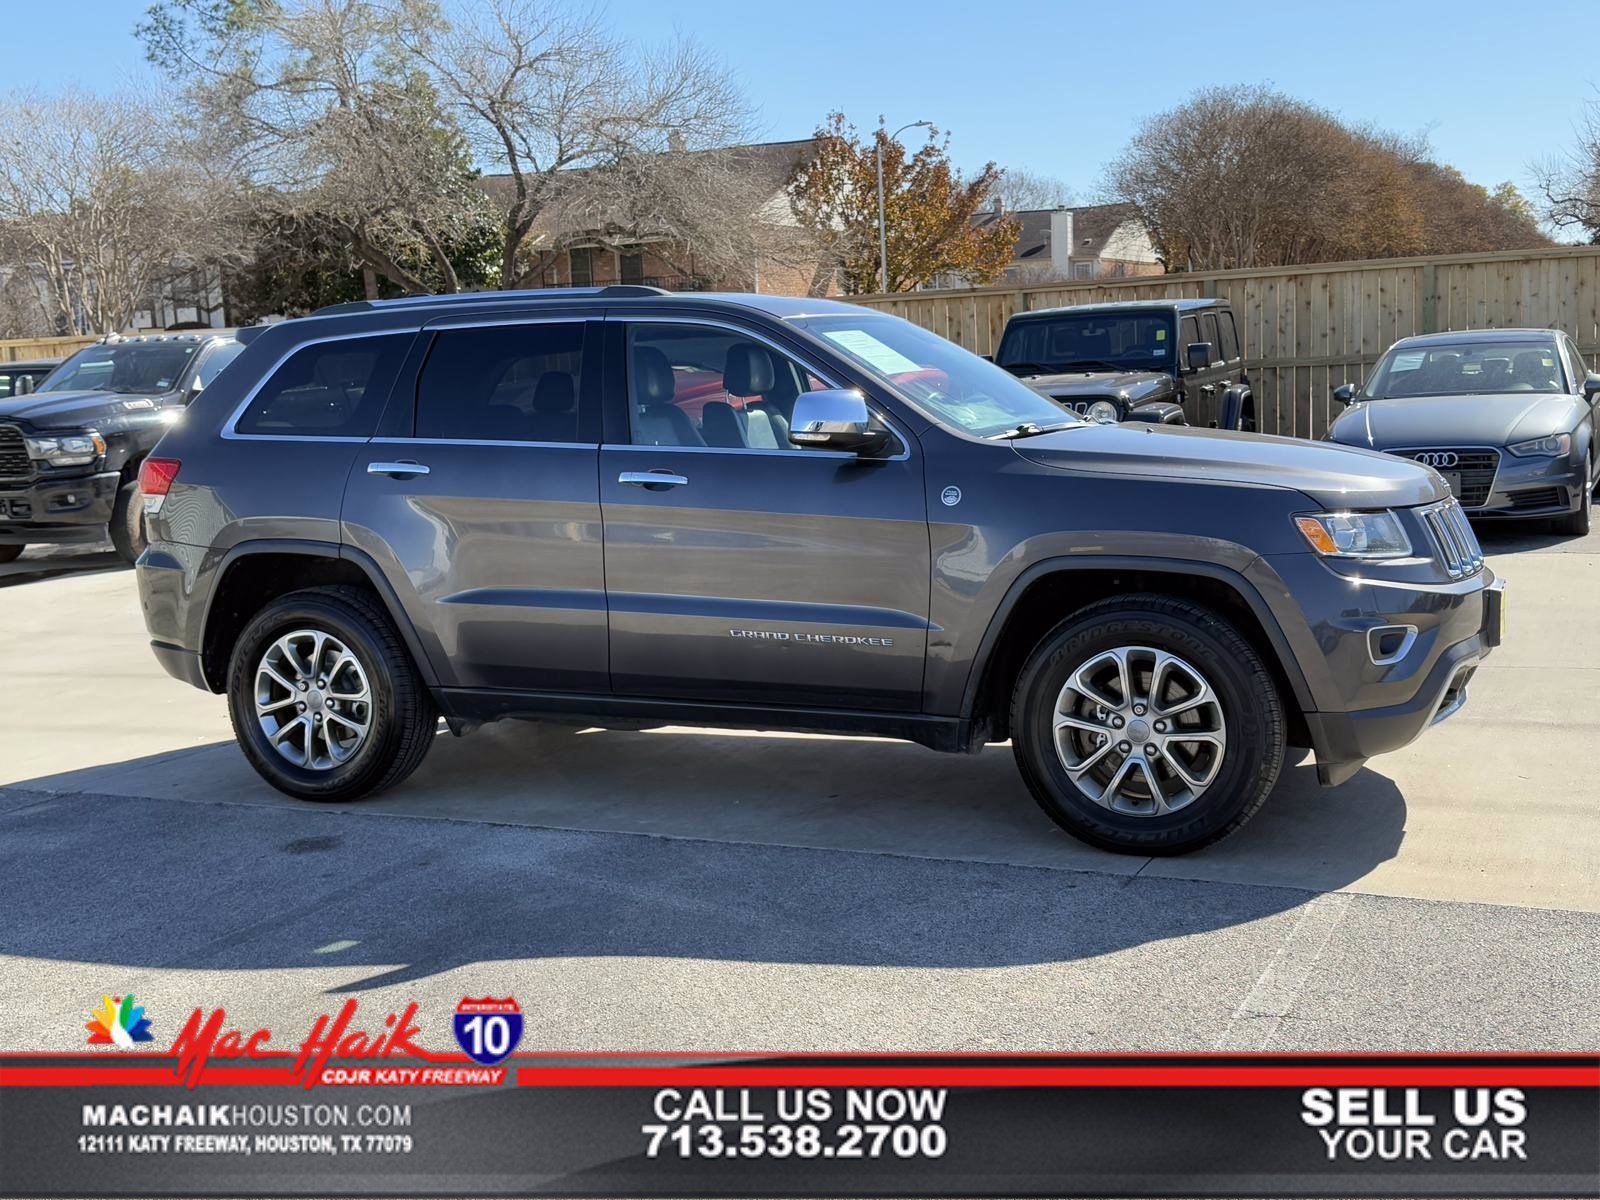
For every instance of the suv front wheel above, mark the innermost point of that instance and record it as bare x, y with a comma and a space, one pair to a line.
1147, 725
325, 701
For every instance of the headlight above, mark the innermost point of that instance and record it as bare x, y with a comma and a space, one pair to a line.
1551, 447
1103, 411
1355, 534
67, 449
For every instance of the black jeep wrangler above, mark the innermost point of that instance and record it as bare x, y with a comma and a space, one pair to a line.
1173, 362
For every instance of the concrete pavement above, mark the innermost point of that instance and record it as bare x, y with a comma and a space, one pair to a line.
699, 889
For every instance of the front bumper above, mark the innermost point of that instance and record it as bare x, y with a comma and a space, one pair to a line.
1396, 657
57, 509
1532, 487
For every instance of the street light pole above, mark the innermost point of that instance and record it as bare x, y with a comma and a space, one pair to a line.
883, 228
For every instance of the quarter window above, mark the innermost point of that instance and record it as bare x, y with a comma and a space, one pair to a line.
505, 383
692, 385
328, 389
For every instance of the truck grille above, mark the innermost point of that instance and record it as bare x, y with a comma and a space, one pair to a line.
1476, 467
1454, 543
14, 462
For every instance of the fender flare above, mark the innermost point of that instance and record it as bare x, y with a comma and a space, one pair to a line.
313, 549
1175, 566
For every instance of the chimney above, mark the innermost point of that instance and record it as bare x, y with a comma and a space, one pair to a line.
1061, 242
676, 143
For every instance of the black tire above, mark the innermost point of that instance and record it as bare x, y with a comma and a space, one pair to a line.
11, 553
402, 718
1577, 524
1245, 692
127, 522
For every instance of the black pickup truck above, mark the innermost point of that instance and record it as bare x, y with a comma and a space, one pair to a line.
70, 451
1172, 362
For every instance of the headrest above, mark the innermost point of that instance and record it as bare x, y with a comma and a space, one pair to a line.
653, 381
748, 370
555, 393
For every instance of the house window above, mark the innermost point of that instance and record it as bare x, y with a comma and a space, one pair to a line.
1083, 270
633, 267
582, 260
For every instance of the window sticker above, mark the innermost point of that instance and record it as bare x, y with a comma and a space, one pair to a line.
1410, 360
1161, 335
870, 350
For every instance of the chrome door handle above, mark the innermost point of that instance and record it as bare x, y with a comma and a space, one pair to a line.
396, 468
655, 480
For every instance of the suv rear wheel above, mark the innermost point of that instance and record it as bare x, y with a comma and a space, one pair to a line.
325, 701
1147, 725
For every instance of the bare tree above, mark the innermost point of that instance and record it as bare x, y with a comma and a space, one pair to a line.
1022, 190
1250, 177
541, 91
325, 116
101, 204
1569, 183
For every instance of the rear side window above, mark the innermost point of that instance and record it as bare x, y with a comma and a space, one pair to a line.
1208, 333
1230, 337
505, 383
328, 389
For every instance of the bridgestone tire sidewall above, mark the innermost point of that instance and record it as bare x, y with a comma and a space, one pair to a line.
1250, 705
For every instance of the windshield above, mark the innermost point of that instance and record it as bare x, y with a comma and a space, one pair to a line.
1465, 369
1095, 341
951, 385
123, 367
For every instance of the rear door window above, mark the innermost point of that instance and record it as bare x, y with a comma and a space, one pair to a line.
328, 389
504, 383
1208, 333
1230, 337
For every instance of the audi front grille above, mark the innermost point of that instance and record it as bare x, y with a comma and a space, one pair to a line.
1454, 543
1476, 466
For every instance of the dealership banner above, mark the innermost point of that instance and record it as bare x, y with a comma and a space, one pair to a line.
355, 1108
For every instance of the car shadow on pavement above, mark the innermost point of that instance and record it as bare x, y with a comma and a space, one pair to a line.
538, 842
51, 562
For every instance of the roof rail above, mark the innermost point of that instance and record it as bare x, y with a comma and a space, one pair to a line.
450, 298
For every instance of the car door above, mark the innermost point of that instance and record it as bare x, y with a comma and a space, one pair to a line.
740, 567
480, 501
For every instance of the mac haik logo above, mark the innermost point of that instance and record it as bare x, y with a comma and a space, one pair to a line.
119, 1022
205, 1037
488, 1029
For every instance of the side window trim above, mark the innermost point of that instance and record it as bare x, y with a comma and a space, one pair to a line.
624, 323
230, 426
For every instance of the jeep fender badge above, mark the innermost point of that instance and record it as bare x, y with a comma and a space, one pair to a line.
951, 496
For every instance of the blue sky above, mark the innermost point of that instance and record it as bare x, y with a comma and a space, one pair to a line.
1058, 87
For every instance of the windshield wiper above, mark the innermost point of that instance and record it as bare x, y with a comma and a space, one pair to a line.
1029, 429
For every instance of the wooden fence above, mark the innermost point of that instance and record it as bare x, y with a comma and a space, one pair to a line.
24, 349
1308, 329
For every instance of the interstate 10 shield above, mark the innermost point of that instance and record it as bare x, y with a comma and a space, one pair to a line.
488, 1029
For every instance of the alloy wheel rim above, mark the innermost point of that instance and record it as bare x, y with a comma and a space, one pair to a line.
1139, 731
312, 699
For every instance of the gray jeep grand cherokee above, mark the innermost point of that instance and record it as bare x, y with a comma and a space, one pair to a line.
624, 507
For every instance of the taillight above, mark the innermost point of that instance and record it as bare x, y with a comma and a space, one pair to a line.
156, 477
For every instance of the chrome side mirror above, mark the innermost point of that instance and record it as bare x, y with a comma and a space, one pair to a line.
835, 419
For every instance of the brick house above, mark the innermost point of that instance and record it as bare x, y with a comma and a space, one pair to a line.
606, 252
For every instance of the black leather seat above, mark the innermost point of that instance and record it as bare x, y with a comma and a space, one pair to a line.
720, 424
657, 421
555, 409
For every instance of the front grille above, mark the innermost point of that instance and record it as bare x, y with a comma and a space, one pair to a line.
1080, 404
14, 462
1545, 497
1454, 543
1476, 467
